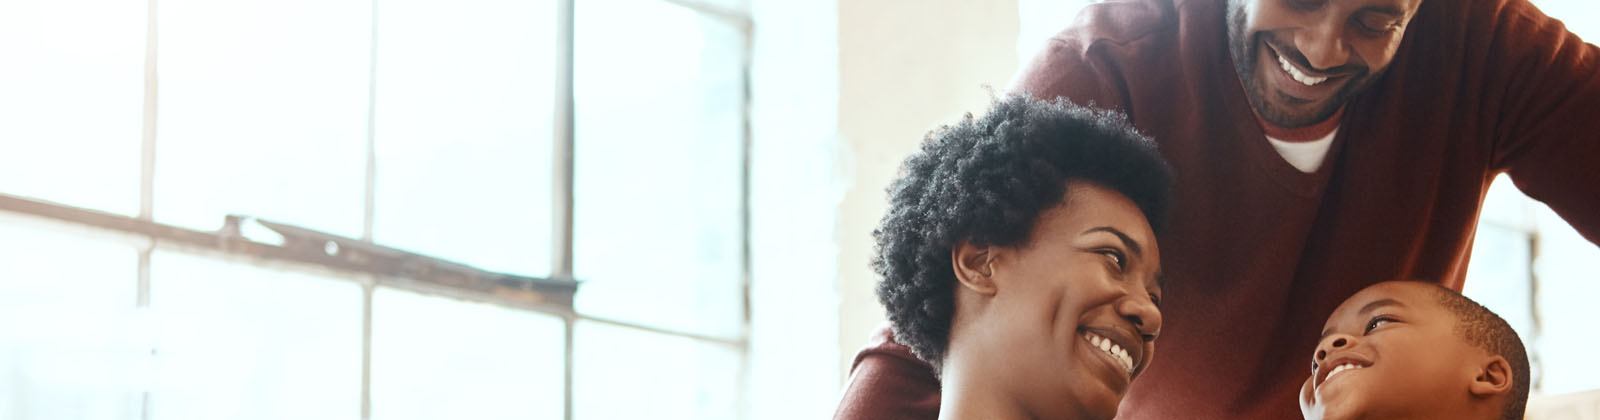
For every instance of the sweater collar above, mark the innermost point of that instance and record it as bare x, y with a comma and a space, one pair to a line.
1308, 133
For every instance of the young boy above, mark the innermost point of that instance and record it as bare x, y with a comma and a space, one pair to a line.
1414, 350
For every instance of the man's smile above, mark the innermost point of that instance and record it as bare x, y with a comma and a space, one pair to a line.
1294, 81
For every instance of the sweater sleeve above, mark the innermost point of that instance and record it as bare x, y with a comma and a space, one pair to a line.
1548, 133
888, 382
1061, 70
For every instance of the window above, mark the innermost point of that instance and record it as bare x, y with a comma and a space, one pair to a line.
1534, 270
377, 209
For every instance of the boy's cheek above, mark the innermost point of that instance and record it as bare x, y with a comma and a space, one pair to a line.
1308, 406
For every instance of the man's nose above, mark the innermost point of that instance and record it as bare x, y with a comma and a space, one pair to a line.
1323, 44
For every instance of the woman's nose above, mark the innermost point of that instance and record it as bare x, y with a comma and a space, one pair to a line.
1143, 314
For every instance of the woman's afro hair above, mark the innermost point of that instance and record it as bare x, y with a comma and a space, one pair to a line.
986, 180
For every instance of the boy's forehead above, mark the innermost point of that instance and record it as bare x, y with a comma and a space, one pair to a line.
1404, 294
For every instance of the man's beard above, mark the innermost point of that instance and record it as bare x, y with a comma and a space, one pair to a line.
1244, 50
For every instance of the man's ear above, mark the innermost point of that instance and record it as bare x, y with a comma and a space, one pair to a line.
1494, 378
974, 267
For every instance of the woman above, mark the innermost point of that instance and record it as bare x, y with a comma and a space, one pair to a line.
1018, 256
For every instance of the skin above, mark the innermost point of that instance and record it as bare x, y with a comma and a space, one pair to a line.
1349, 41
1017, 347
1416, 365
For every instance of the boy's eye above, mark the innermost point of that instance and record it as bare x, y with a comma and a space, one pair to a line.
1376, 321
1155, 300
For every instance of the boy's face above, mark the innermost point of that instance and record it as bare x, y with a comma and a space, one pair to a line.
1389, 351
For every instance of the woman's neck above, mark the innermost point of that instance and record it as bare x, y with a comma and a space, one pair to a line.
970, 395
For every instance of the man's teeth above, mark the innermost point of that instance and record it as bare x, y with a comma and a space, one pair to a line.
1340, 368
1299, 76
1115, 351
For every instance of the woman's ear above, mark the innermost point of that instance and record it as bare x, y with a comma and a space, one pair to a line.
1494, 378
974, 267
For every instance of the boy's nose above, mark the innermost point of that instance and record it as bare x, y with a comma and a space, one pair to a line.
1330, 343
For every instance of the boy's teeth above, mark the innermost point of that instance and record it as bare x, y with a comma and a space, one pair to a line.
1340, 368
1299, 76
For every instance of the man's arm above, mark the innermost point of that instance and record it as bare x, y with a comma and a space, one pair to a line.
888, 382
1548, 138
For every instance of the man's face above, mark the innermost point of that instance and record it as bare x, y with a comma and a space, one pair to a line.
1300, 60
1077, 314
1390, 351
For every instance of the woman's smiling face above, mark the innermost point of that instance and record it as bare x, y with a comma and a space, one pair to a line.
1073, 313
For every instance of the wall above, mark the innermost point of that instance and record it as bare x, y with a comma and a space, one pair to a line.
905, 66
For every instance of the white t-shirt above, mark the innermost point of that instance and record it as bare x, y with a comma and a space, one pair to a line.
1304, 155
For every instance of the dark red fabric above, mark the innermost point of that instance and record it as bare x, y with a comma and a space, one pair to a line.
1305, 134
1259, 253
888, 382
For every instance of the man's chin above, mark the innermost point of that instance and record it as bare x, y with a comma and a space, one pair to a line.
1288, 112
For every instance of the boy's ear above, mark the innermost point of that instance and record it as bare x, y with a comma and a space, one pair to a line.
974, 267
1494, 378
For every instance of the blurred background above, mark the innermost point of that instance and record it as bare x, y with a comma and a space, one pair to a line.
512, 209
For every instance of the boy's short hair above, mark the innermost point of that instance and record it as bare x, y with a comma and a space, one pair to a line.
1481, 327
986, 180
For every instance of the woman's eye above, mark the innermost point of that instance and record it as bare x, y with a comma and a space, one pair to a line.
1116, 257
1155, 300
1375, 322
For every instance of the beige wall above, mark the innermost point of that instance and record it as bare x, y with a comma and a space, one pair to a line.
905, 66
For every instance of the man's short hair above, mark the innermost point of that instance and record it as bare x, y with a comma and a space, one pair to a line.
1483, 328
986, 180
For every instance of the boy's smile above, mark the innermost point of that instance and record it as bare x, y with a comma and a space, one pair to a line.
1343, 363
1389, 351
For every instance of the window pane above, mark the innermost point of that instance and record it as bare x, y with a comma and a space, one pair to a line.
53, 283
1499, 278
71, 100
657, 376
463, 131
1567, 267
263, 108
438, 358
657, 235
1582, 17
241, 342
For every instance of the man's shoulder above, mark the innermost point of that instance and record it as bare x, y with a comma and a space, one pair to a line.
1125, 22
1125, 43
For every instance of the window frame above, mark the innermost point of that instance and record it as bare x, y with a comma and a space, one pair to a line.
375, 265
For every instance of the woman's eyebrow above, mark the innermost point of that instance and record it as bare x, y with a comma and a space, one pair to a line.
1126, 240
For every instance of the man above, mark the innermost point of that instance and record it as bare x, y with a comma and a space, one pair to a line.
1319, 146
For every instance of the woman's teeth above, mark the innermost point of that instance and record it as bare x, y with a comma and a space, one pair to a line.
1113, 350
1340, 368
1299, 76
